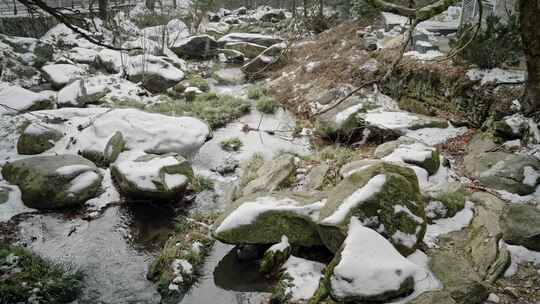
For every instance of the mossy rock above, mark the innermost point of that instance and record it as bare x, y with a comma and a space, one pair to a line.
36, 139
109, 154
521, 226
451, 198
451, 266
51, 182
396, 210
273, 175
343, 121
269, 225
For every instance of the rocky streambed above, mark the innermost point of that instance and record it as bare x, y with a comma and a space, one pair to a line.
164, 176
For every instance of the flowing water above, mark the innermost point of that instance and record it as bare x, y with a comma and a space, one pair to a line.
115, 249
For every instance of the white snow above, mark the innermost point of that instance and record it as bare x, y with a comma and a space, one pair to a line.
416, 152
113, 61
248, 212
16, 99
109, 195
342, 116
497, 75
369, 265
144, 174
406, 239
14, 204
173, 181
404, 209
435, 136
446, 225
371, 188
520, 255
248, 37
72, 170
281, 246
305, 275
392, 120
82, 55
530, 176
181, 266
429, 55
148, 64
83, 181
62, 74
436, 209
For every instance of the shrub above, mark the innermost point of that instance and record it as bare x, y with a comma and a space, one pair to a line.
43, 53
266, 105
43, 280
256, 92
233, 144
497, 44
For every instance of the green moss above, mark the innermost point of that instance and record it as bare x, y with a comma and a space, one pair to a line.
52, 283
266, 105
199, 82
43, 53
217, 111
454, 201
251, 168
188, 231
201, 183
232, 144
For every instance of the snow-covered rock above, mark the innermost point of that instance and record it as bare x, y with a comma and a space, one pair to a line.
15, 99
264, 40
37, 138
231, 76
270, 56
149, 132
82, 92
155, 74
149, 176
250, 50
62, 74
407, 150
266, 217
201, 46
300, 279
82, 55
142, 45
386, 197
111, 61
369, 268
175, 30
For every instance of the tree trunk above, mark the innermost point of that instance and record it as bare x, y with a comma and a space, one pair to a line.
150, 4
321, 8
529, 18
305, 8
103, 9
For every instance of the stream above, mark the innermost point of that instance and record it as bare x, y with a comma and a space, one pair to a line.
115, 248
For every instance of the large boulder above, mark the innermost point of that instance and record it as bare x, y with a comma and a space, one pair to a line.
173, 31
369, 269
82, 92
52, 182
263, 218
16, 99
274, 15
141, 176
521, 226
259, 39
217, 28
197, 47
250, 50
512, 172
156, 74
36, 139
272, 175
82, 55
92, 129
385, 197
60, 75
141, 46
